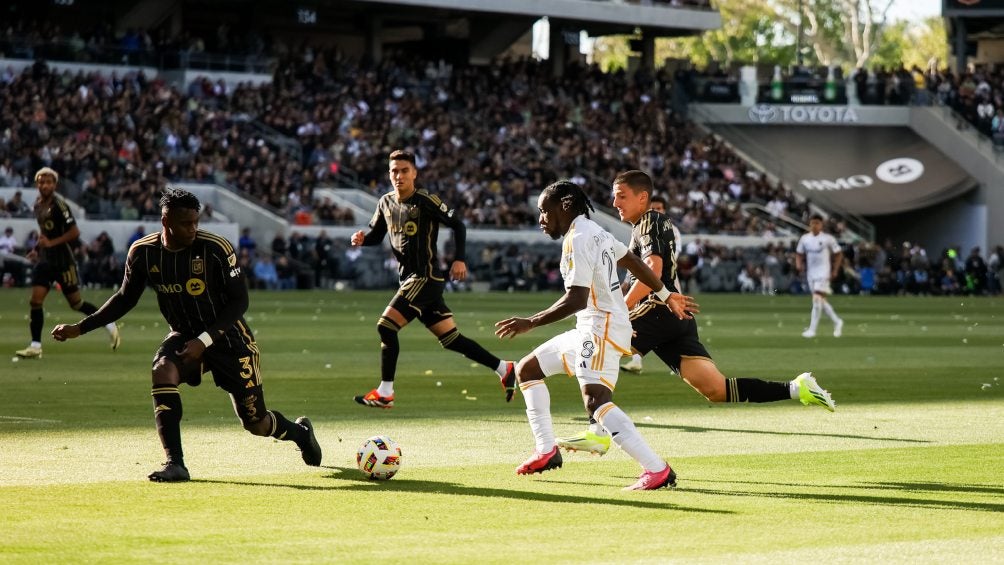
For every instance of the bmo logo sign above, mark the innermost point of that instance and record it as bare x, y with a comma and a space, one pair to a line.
901, 170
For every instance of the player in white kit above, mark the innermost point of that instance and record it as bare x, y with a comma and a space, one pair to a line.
591, 352
819, 257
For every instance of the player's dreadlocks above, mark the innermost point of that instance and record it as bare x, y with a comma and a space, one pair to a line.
571, 196
174, 198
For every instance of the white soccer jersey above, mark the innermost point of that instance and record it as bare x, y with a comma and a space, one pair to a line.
818, 251
589, 256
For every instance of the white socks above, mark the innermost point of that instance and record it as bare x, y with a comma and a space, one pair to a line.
814, 316
386, 388
626, 436
538, 412
500, 370
110, 327
829, 312
793, 389
36, 344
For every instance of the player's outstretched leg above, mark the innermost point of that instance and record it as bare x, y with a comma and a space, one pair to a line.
36, 319
809, 392
651, 480
540, 462
453, 340
390, 348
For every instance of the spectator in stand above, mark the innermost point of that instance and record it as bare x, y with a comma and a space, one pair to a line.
136, 235
246, 241
976, 272
265, 273
286, 273
17, 207
8, 242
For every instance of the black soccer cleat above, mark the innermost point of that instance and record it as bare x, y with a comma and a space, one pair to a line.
509, 380
171, 473
309, 449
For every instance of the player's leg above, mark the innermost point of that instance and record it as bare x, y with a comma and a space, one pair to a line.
838, 323
598, 398
36, 320
71, 291
814, 314
634, 364
168, 409
440, 322
238, 373
552, 357
395, 316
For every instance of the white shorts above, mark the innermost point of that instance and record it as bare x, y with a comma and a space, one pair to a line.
592, 355
822, 286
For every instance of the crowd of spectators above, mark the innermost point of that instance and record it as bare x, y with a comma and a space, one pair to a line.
486, 137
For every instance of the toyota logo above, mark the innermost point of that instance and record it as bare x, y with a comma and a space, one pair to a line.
762, 113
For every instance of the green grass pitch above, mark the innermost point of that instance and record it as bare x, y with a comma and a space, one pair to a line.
909, 468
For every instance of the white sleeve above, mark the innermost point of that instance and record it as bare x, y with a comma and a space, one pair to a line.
801, 245
620, 250
834, 246
582, 262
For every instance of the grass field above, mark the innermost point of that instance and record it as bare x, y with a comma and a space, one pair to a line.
909, 468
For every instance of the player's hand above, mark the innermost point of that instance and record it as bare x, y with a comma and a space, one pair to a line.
63, 332
32, 255
458, 271
512, 327
43, 242
192, 352
357, 238
682, 306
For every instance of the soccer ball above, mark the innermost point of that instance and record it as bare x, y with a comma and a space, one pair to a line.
379, 458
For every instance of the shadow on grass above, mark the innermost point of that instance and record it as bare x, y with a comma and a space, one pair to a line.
701, 429
868, 499
356, 482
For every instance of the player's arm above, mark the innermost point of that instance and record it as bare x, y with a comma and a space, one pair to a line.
575, 298
378, 229
120, 303
800, 257
640, 290
449, 218
836, 260
682, 306
71, 234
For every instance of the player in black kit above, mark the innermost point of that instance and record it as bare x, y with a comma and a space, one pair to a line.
55, 262
412, 216
202, 294
673, 340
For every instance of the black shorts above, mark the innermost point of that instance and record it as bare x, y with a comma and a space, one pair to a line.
46, 274
669, 337
235, 371
422, 298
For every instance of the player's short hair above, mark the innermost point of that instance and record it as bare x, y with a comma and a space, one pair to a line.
567, 192
639, 181
402, 155
47, 171
174, 198
659, 199
816, 216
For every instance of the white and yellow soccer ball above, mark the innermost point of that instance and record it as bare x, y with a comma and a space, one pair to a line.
379, 458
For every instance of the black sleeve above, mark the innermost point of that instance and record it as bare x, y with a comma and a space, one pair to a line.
652, 236
133, 285
448, 217
378, 227
231, 276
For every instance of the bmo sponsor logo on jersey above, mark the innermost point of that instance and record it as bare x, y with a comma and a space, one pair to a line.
901, 170
767, 114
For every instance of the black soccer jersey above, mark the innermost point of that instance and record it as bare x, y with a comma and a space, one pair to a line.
414, 230
199, 288
55, 219
653, 235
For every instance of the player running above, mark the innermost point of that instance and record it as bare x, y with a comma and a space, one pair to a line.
202, 294
672, 339
590, 257
412, 216
55, 261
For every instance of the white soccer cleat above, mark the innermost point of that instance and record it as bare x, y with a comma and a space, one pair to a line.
809, 333
838, 328
29, 353
634, 365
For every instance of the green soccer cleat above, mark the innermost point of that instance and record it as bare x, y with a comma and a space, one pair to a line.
809, 392
586, 441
